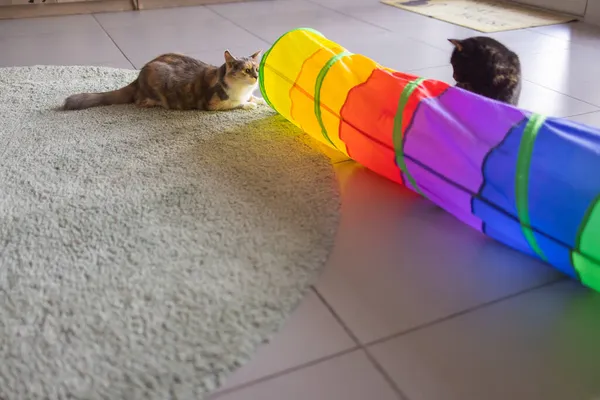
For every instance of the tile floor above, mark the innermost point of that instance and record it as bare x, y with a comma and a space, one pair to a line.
412, 305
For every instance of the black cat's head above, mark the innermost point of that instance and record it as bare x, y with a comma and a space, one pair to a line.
472, 57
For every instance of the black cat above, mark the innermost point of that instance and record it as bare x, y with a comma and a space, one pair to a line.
485, 66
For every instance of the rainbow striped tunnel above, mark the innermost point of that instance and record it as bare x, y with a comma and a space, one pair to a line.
530, 182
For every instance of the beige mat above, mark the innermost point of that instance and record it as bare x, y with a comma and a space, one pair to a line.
483, 16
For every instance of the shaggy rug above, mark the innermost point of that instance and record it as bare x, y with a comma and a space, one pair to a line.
145, 253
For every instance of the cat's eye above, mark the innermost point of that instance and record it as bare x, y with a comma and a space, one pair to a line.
248, 70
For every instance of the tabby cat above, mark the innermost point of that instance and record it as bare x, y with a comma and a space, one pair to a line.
485, 66
178, 82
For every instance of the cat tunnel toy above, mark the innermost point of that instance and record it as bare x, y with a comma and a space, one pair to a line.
529, 181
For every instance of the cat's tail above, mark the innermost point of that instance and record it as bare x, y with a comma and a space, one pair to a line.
125, 95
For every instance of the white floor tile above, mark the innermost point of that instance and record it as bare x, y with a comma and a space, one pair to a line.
348, 377
144, 42
540, 345
36, 27
592, 119
534, 97
310, 334
85, 48
400, 261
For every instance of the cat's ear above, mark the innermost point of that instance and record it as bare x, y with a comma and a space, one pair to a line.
457, 43
228, 57
256, 55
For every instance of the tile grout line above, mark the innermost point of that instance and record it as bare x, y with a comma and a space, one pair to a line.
585, 113
283, 372
336, 316
384, 373
359, 346
432, 67
341, 12
364, 347
557, 37
439, 48
372, 359
287, 370
417, 70
448, 23
337, 11
466, 311
113, 40
564, 94
269, 42
409, 37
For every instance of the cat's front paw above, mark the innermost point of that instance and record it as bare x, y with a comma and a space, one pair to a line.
249, 106
259, 100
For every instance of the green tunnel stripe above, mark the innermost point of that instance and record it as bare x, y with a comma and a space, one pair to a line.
398, 135
263, 61
586, 224
318, 84
261, 79
522, 180
586, 255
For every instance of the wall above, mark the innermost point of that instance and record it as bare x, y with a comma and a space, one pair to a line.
575, 7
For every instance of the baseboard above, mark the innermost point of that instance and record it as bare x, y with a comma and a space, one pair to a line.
71, 8
153, 4
89, 7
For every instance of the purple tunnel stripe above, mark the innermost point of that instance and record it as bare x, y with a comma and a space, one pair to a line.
450, 137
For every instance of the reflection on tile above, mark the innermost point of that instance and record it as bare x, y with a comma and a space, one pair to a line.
571, 72
286, 15
310, 334
387, 48
592, 119
345, 4
576, 32
178, 16
404, 23
442, 73
524, 41
269, 9
534, 97
390, 50
435, 32
551, 103
577, 86
400, 261
558, 65
348, 377
379, 14
539, 345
